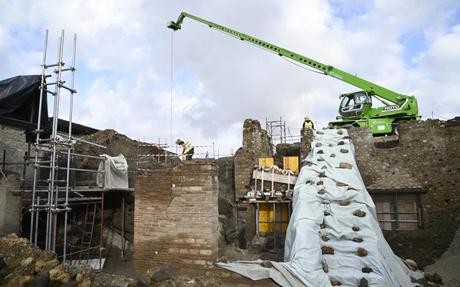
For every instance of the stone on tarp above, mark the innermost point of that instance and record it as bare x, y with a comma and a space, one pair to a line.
361, 252
411, 264
363, 282
267, 264
335, 282
325, 266
359, 213
327, 250
345, 165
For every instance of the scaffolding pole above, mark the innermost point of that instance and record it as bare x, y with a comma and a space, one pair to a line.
54, 155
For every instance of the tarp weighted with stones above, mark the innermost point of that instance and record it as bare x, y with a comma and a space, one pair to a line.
333, 237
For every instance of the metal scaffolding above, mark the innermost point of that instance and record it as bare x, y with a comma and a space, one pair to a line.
276, 130
54, 191
279, 133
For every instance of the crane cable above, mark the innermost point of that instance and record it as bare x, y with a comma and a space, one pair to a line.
171, 89
270, 51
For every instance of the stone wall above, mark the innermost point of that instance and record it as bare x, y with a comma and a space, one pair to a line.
227, 205
176, 216
138, 154
306, 137
256, 144
426, 160
13, 144
9, 204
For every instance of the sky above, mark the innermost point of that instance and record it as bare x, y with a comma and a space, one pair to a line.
134, 75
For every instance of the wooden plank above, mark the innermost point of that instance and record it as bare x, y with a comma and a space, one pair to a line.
280, 178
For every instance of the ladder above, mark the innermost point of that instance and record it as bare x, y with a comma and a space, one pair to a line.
87, 232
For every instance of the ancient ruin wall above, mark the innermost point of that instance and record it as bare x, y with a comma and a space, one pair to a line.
176, 216
427, 159
256, 144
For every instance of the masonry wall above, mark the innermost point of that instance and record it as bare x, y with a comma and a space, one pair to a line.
176, 216
426, 159
14, 146
9, 204
256, 144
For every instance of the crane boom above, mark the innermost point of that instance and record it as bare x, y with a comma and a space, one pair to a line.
329, 70
355, 108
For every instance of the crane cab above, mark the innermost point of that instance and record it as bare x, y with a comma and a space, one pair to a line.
355, 104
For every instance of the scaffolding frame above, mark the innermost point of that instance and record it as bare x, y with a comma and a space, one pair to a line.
276, 130
55, 154
279, 133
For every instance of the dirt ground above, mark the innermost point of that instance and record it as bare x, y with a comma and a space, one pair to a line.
448, 266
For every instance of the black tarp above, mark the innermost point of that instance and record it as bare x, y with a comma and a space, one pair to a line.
19, 102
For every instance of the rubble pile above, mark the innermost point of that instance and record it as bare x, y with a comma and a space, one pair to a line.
138, 154
23, 264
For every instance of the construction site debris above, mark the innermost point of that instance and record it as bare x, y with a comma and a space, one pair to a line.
26, 263
155, 275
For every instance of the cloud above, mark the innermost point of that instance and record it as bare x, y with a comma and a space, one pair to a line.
124, 60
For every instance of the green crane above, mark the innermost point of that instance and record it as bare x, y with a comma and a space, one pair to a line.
355, 108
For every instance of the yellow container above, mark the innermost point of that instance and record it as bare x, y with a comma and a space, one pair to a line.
266, 161
291, 163
267, 217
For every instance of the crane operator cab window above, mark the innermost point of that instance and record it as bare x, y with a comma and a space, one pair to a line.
353, 104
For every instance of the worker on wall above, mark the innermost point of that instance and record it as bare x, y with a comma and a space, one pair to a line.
187, 149
307, 124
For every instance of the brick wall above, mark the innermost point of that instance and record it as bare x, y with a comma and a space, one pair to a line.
427, 159
176, 216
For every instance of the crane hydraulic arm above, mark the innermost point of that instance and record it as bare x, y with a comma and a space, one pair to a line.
398, 102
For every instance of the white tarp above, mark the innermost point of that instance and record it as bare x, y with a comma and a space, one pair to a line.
115, 174
325, 199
